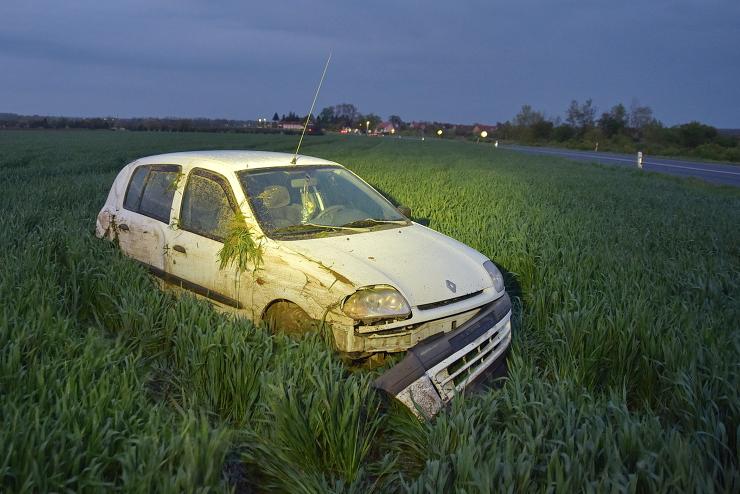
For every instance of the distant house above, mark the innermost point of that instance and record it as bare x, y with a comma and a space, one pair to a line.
297, 127
385, 128
291, 125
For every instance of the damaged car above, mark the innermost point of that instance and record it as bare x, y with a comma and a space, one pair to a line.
290, 241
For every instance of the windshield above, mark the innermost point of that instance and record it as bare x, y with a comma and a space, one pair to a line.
307, 201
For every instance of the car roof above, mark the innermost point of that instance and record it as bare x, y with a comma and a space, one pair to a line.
233, 160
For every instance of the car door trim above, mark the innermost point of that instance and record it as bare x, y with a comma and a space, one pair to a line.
193, 287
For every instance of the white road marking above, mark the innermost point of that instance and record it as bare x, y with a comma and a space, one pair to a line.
697, 169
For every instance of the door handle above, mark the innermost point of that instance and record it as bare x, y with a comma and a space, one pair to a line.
123, 227
179, 248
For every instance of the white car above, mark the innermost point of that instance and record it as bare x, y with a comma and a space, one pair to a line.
320, 244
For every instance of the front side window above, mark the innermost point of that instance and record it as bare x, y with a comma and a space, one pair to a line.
315, 200
208, 206
151, 190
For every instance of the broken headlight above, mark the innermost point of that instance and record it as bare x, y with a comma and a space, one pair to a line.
495, 274
376, 303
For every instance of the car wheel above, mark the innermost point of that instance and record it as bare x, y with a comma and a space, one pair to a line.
288, 318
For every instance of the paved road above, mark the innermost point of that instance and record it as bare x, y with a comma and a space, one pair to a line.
717, 173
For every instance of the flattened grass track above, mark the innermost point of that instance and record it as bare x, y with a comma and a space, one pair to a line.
623, 372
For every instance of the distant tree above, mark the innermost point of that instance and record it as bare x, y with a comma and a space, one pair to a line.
347, 114
581, 116
37, 123
372, 118
614, 121
564, 132
531, 125
275, 117
327, 117
503, 130
527, 117
183, 125
640, 116
619, 113
573, 114
542, 130
695, 134
588, 114
292, 117
396, 121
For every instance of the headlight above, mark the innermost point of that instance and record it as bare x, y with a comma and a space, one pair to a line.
376, 303
495, 274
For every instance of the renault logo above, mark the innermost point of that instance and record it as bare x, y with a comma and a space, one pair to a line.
451, 286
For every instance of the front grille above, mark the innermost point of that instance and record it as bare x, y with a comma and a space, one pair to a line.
459, 370
449, 301
452, 375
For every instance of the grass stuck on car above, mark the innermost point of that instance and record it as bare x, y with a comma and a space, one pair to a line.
298, 243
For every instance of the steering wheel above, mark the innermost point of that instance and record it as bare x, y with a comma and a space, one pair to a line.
325, 212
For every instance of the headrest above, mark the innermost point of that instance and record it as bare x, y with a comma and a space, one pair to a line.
275, 196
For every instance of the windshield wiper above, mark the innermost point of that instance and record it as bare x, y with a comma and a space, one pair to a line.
316, 227
367, 222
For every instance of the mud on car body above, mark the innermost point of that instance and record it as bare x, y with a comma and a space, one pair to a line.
326, 247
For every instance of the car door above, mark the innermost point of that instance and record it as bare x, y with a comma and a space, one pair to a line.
206, 211
142, 222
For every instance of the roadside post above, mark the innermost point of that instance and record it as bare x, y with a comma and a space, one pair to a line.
639, 160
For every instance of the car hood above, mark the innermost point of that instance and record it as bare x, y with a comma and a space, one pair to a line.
418, 261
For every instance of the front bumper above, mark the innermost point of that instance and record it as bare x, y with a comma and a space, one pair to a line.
399, 336
438, 368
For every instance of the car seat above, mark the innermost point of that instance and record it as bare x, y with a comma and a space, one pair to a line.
276, 199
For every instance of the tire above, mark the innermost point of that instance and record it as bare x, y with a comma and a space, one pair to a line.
289, 319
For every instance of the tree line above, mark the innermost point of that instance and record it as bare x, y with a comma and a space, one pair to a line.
15, 121
619, 129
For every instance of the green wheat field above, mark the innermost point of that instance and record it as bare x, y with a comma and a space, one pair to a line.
623, 375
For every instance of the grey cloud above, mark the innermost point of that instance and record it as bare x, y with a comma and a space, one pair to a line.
456, 61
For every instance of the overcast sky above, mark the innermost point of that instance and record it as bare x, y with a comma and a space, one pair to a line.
464, 61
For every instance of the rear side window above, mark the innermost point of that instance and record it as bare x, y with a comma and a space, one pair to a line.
135, 188
151, 190
208, 205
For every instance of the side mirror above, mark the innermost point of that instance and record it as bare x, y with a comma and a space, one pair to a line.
404, 210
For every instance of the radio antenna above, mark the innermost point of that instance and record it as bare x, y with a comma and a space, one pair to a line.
308, 117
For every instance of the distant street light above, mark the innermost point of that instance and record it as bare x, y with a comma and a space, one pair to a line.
439, 132
484, 134
367, 127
